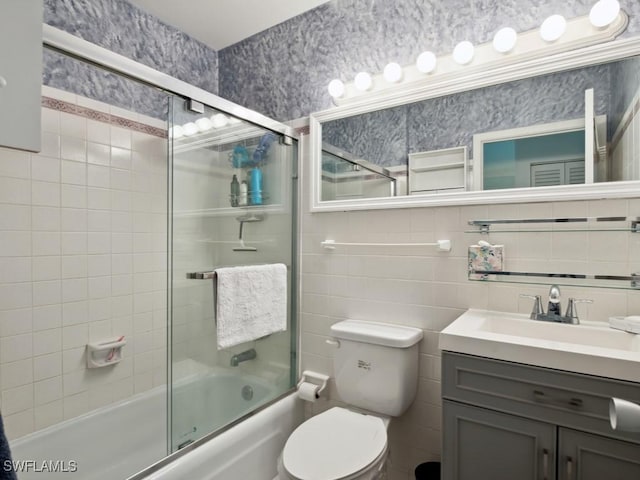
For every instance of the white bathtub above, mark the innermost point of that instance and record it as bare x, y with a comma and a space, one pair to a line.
117, 441
248, 450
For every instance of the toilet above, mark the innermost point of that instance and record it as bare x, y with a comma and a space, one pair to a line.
376, 372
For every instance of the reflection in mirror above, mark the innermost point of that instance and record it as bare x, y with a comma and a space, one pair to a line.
533, 131
345, 177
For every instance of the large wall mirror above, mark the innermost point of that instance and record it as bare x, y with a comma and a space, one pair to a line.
573, 133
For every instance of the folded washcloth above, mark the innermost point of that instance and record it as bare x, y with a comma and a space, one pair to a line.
7, 471
251, 302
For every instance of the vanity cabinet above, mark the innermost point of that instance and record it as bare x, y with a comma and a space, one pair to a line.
505, 421
20, 73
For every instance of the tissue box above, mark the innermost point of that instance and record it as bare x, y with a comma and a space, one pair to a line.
486, 259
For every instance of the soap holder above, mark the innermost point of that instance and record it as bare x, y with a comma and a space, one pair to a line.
105, 353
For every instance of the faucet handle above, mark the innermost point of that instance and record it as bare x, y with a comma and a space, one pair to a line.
572, 312
537, 306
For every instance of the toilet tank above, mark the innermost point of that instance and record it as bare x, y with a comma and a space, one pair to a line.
376, 365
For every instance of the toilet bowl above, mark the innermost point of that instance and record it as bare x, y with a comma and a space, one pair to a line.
339, 444
376, 372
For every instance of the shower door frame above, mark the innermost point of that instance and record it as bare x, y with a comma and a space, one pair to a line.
75, 47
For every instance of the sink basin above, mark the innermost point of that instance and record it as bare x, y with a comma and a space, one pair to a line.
591, 348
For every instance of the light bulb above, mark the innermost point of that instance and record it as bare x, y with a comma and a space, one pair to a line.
336, 88
463, 53
234, 121
392, 72
363, 81
604, 12
204, 124
553, 28
505, 39
219, 120
190, 129
176, 131
426, 62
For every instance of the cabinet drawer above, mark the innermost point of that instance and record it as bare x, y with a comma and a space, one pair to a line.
558, 397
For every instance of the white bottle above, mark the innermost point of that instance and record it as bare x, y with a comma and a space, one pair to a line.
244, 194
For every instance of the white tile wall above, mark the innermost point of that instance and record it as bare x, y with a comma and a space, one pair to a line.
70, 271
428, 290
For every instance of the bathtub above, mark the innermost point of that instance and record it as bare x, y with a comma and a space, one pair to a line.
248, 450
117, 441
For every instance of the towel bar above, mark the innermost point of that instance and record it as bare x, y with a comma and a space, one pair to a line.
207, 275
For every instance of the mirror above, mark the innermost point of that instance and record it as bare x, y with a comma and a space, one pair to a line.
524, 135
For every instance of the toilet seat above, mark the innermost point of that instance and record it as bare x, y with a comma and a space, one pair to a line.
334, 445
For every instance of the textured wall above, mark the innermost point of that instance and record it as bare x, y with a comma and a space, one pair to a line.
283, 72
119, 26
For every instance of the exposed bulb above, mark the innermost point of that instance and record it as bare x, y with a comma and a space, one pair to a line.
336, 88
219, 120
176, 131
204, 124
505, 40
553, 28
392, 73
234, 121
363, 81
426, 62
463, 53
604, 12
189, 129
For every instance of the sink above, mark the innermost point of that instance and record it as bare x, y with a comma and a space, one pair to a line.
591, 347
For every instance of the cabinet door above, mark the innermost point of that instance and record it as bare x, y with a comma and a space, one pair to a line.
20, 73
585, 456
482, 444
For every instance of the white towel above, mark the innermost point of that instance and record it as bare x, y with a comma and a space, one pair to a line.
251, 302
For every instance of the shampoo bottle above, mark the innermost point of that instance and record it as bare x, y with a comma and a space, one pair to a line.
243, 198
235, 191
256, 186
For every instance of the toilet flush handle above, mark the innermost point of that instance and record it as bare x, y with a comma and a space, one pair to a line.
333, 343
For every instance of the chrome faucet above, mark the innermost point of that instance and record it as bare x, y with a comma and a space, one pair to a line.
554, 308
238, 358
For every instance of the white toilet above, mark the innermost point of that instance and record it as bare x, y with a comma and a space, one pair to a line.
376, 371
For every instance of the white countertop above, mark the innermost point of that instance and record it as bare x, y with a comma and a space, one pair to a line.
591, 348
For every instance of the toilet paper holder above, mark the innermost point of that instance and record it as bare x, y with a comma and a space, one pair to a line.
316, 378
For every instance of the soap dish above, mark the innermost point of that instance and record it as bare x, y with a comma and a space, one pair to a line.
628, 324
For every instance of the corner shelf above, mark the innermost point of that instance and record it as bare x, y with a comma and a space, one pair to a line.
630, 281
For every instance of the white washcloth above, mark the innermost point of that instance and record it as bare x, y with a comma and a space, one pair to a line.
251, 302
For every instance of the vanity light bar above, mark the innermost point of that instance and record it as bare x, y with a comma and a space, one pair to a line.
529, 45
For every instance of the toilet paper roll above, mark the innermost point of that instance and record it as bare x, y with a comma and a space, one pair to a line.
308, 391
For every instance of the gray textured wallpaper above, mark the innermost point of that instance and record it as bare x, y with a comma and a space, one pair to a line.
284, 71
120, 27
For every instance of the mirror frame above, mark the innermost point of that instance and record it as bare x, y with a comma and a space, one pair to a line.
494, 74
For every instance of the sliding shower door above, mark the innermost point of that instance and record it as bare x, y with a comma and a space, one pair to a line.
222, 215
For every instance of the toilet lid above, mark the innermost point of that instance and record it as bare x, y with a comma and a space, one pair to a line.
334, 445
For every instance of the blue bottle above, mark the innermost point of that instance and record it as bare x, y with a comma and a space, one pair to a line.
255, 187
262, 148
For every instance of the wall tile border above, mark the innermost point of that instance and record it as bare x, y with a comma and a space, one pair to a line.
89, 113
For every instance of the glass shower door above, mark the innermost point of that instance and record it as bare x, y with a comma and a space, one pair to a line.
218, 219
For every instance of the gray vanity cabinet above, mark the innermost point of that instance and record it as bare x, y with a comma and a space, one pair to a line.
593, 457
507, 421
20, 73
482, 444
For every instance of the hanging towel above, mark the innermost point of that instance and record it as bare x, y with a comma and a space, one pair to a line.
6, 467
251, 302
